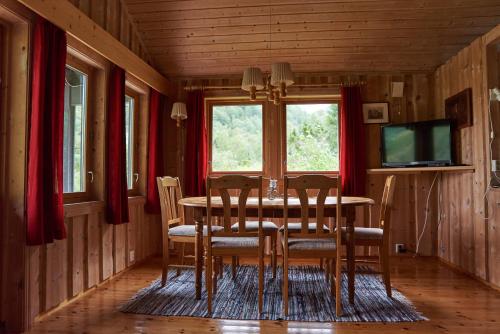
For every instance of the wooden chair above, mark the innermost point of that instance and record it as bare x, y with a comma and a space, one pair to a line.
379, 236
230, 242
174, 227
313, 243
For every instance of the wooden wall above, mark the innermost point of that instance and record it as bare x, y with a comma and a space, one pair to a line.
113, 16
411, 190
14, 89
35, 280
469, 237
93, 252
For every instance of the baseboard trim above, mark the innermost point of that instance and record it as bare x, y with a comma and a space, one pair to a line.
469, 274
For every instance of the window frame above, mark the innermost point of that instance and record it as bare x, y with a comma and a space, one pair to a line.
209, 121
134, 191
284, 135
83, 196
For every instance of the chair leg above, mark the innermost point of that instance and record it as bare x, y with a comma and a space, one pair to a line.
333, 279
338, 286
285, 283
215, 273
321, 264
261, 276
164, 272
181, 257
221, 267
233, 266
328, 269
386, 269
208, 277
274, 238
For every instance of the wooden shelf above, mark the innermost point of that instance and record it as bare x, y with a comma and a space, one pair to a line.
419, 170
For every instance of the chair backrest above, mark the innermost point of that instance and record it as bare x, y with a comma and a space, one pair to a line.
386, 204
170, 192
324, 185
243, 185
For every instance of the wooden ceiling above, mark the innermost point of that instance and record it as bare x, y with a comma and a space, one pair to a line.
222, 37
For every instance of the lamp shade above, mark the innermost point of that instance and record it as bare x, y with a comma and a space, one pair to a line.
179, 111
252, 77
281, 73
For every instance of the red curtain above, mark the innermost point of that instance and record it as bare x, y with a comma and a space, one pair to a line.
157, 108
196, 145
352, 143
116, 174
44, 199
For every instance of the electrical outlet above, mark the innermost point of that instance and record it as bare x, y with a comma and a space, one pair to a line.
400, 248
131, 256
495, 165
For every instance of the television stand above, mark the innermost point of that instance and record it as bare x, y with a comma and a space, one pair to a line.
420, 170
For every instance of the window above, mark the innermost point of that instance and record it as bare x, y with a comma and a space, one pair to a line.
132, 101
236, 138
312, 137
129, 139
74, 142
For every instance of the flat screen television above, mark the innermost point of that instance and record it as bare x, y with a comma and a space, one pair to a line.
417, 144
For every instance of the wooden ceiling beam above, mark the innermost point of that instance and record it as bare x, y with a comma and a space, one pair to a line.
344, 67
69, 18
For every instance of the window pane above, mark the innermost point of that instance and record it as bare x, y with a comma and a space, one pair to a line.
129, 138
75, 111
237, 138
312, 137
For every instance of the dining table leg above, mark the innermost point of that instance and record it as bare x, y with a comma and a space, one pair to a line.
198, 249
351, 251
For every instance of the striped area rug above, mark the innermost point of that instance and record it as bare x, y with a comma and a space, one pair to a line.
309, 298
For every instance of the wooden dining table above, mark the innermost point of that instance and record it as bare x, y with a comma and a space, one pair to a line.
273, 208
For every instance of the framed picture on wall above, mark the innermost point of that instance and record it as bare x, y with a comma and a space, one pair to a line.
376, 112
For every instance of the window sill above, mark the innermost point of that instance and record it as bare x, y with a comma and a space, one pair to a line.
88, 207
82, 208
218, 174
297, 173
135, 200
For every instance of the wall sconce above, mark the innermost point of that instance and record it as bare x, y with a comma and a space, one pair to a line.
179, 112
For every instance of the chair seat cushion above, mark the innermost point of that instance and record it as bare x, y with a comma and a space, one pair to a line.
252, 226
323, 244
235, 242
366, 233
189, 230
295, 227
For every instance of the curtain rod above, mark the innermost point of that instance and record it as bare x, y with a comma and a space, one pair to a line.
234, 87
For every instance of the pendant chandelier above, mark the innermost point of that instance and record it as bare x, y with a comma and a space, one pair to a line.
274, 84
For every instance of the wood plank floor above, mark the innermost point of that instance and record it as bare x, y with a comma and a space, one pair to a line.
454, 302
